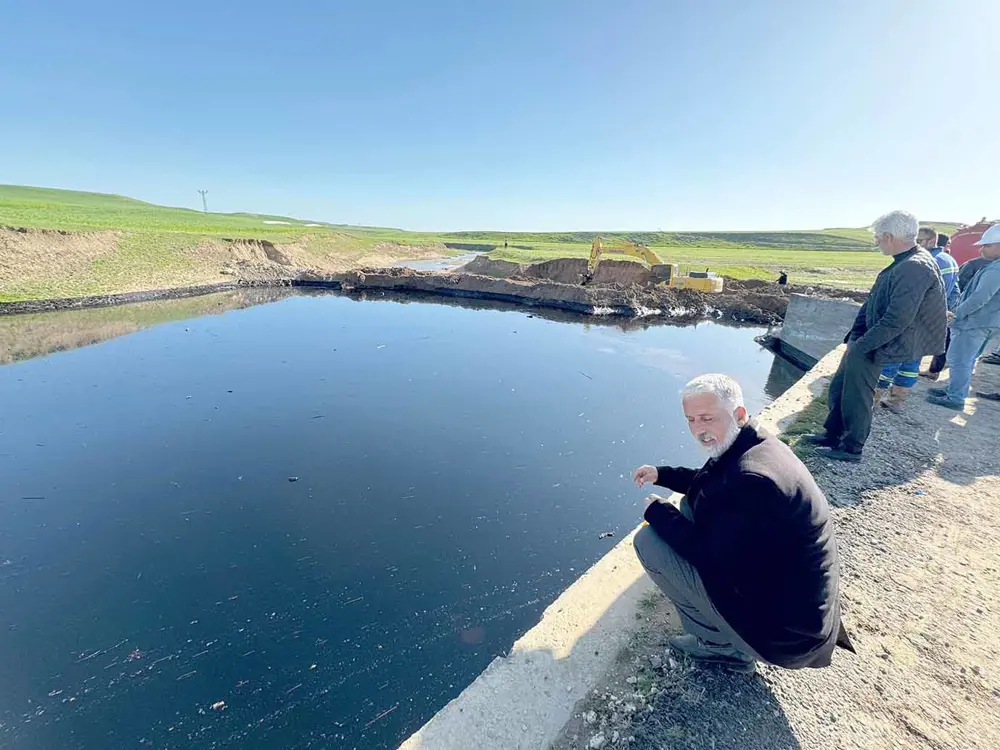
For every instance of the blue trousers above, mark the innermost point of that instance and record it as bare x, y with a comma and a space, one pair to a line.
966, 346
902, 375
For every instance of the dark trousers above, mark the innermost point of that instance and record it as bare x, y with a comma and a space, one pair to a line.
937, 364
852, 393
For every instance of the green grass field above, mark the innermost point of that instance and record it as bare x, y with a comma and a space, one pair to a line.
159, 244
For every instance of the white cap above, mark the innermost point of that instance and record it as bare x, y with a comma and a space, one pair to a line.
991, 236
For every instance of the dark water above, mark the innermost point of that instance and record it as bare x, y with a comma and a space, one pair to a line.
454, 467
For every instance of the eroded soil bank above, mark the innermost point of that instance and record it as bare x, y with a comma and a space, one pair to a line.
617, 289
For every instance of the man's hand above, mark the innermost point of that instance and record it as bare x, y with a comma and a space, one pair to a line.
951, 316
645, 475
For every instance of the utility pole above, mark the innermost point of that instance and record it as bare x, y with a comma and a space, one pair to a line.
204, 203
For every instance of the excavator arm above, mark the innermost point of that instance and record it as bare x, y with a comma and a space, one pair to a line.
620, 247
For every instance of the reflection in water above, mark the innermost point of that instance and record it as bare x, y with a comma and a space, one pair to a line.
37, 334
783, 375
163, 583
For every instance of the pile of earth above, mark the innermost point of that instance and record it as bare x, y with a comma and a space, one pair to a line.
750, 300
610, 298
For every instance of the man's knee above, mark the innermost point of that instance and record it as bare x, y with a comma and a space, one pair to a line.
646, 544
656, 555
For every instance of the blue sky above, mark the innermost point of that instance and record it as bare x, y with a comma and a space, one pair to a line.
550, 114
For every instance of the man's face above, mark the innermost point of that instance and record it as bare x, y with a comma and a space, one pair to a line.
990, 252
713, 427
884, 243
927, 242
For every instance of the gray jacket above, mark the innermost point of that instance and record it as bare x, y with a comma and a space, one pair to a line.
904, 317
968, 270
980, 303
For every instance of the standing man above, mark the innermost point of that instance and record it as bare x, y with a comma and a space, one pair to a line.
903, 319
749, 559
973, 323
900, 377
949, 274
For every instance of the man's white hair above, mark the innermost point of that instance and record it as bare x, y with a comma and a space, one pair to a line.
728, 390
899, 224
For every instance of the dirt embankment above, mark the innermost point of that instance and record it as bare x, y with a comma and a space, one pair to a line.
59, 269
50, 264
629, 286
613, 298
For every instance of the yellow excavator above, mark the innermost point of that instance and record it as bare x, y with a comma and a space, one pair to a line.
663, 273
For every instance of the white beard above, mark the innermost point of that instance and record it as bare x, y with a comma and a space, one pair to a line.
717, 449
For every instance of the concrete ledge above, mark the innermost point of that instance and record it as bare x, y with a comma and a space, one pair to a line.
813, 327
523, 700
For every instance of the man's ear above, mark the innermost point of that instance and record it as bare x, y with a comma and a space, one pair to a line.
741, 415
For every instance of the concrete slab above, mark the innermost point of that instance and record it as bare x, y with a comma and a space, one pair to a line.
813, 327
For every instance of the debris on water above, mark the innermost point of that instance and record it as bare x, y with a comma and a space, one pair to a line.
219, 706
382, 715
293, 479
380, 346
312, 667
606, 534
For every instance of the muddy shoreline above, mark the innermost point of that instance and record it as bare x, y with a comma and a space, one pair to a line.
750, 302
128, 298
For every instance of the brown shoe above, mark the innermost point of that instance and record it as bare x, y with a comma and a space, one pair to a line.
897, 399
930, 375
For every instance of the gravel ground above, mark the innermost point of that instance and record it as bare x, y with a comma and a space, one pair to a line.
920, 547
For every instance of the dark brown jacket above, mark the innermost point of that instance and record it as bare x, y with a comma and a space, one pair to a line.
763, 543
905, 315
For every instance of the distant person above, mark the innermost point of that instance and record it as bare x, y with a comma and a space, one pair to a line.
949, 274
749, 559
903, 319
783, 279
975, 320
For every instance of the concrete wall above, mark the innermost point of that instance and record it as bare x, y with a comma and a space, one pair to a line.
523, 700
814, 327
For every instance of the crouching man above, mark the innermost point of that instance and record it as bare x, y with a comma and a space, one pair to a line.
749, 559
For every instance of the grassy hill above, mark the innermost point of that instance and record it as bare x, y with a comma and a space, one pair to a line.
124, 244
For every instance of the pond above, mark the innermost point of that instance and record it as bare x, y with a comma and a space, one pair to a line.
311, 522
